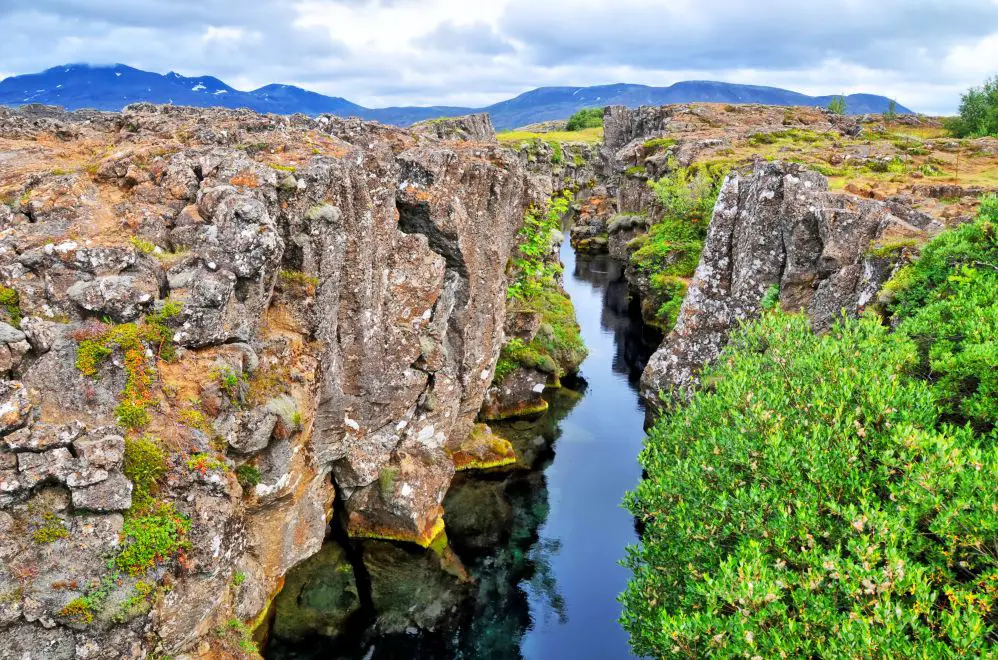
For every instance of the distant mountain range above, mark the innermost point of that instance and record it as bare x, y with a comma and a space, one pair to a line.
77, 86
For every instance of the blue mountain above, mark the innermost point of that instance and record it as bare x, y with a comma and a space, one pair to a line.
77, 86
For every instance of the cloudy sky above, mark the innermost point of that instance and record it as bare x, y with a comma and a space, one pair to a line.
476, 52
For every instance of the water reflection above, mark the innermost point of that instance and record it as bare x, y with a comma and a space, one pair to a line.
531, 569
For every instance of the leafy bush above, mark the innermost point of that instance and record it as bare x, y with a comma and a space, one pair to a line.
671, 249
587, 118
248, 475
532, 268
837, 106
978, 112
811, 504
948, 302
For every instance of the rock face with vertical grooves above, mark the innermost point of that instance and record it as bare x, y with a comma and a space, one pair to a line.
292, 309
779, 226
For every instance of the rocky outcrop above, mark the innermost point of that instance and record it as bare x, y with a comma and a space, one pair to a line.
477, 128
779, 226
258, 314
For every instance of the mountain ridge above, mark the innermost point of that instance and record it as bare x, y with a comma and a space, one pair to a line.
112, 87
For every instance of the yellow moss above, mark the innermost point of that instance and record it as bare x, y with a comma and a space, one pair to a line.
521, 410
357, 529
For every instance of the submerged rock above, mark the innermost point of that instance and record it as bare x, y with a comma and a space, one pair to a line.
319, 596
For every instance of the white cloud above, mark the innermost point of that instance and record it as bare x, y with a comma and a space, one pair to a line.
455, 52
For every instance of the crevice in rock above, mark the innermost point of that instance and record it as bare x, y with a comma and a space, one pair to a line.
415, 219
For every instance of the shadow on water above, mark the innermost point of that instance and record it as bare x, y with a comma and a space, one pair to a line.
532, 567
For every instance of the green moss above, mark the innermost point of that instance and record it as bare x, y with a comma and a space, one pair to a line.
238, 578
237, 637
284, 168
891, 248
51, 529
98, 342
297, 284
90, 354
79, 610
10, 302
138, 603
658, 144
145, 466
788, 135
142, 245
558, 348
386, 482
636, 171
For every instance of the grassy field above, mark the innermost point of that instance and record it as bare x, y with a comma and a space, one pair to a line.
587, 135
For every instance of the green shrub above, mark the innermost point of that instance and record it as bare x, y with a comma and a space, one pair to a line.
532, 267
837, 106
142, 245
587, 118
892, 111
557, 153
204, 463
811, 504
671, 290
504, 367
978, 112
156, 536
248, 475
948, 302
131, 415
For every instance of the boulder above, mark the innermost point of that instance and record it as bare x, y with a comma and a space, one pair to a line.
778, 226
112, 494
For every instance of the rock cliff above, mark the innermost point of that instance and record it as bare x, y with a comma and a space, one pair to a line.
215, 322
778, 230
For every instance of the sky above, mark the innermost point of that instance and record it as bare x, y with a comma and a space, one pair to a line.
923, 53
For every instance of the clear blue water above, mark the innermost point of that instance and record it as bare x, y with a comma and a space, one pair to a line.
541, 544
595, 464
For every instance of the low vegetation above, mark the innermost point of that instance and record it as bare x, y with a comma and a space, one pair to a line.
518, 138
558, 346
669, 253
833, 495
98, 341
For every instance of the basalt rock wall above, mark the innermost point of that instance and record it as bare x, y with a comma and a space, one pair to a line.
286, 309
826, 253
